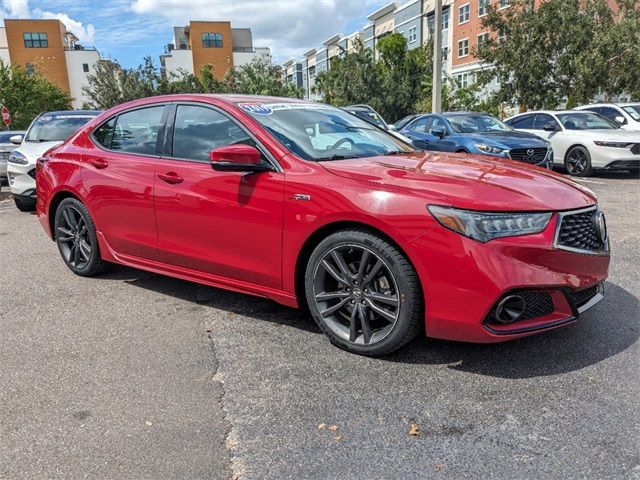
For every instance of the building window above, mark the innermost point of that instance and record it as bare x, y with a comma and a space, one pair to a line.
445, 54
431, 22
483, 38
413, 34
464, 80
35, 40
505, 3
502, 35
312, 71
212, 40
483, 6
30, 69
85, 67
464, 13
445, 19
463, 48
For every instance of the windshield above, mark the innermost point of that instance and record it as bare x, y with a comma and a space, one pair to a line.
476, 124
56, 128
585, 121
371, 117
633, 111
314, 131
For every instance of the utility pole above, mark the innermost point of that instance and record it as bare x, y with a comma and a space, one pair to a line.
436, 93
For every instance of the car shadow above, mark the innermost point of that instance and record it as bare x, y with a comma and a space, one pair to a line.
606, 330
600, 173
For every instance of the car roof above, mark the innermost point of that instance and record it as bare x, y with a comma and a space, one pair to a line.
239, 98
358, 108
466, 114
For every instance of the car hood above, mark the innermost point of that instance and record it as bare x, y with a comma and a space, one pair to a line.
510, 139
34, 150
468, 181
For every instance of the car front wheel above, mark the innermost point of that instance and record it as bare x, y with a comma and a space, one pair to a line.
76, 238
578, 162
363, 293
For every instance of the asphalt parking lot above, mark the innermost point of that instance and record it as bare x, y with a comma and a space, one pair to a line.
135, 375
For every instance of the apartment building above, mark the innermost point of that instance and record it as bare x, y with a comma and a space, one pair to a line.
413, 19
210, 43
50, 48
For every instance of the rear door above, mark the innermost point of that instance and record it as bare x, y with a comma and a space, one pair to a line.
119, 178
227, 224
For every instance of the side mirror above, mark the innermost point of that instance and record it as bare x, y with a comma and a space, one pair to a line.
439, 132
16, 139
620, 119
550, 127
392, 127
236, 158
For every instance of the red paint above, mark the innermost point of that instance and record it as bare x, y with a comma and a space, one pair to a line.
244, 232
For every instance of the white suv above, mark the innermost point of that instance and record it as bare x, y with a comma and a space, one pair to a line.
627, 115
46, 131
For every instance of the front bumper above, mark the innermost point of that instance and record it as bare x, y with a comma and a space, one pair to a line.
463, 281
614, 158
22, 179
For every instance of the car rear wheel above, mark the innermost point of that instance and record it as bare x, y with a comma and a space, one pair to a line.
363, 293
75, 236
578, 162
24, 205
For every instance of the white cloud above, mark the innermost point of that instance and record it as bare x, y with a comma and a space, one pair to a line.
289, 27
20, 9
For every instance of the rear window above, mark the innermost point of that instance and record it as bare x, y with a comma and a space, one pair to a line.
56, 128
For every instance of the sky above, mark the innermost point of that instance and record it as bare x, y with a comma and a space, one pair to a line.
127, 30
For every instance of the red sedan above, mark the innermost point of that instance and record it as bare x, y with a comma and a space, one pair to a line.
311, 206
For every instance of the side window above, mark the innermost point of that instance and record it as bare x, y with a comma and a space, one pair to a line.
542, 119
421, 124
104, 133
437, 122
198, 130
137, 131
526, 121
610, 113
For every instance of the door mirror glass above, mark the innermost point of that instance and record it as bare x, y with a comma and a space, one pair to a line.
439, 131
236, 158
16, 139
549, 127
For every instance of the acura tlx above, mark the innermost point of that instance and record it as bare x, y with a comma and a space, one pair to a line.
311, 206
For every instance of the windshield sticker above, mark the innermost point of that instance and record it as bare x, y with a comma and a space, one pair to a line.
256, 108
45, 118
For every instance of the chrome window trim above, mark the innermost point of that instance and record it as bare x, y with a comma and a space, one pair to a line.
557, 246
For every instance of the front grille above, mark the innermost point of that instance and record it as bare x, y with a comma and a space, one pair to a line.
539, 304
583, 296
32, 173
528, 155
636, 149
581, 231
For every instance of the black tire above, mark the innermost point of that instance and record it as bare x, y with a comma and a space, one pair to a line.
577, 162
24, 205
379, 306
75, 235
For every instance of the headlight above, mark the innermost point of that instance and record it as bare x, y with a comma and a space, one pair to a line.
18, 158
491, 150
612, 144
485, 226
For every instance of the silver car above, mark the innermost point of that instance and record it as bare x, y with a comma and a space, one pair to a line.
6, 147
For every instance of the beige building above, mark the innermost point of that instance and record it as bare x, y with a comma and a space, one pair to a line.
210, 43
47, 46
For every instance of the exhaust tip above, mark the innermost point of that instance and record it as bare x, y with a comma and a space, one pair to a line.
510, 309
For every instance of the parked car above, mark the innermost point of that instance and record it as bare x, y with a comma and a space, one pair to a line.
583, 141
479, 133
369, 115
6, 147
627, 115
378, 239
47, 130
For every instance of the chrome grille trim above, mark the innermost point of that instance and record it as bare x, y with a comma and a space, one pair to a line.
556, 238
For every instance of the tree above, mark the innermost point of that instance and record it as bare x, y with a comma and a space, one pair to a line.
28, 94
259, 77
562, 50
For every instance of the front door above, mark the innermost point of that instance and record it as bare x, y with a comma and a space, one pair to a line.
221, 223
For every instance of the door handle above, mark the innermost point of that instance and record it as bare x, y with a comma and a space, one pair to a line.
99, 163
170, 177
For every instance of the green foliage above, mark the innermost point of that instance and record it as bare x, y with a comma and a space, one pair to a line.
111, 84
563, 50
26, 95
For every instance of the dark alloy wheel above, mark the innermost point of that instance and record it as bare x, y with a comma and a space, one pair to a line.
76, 238
578, 162
363, 293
